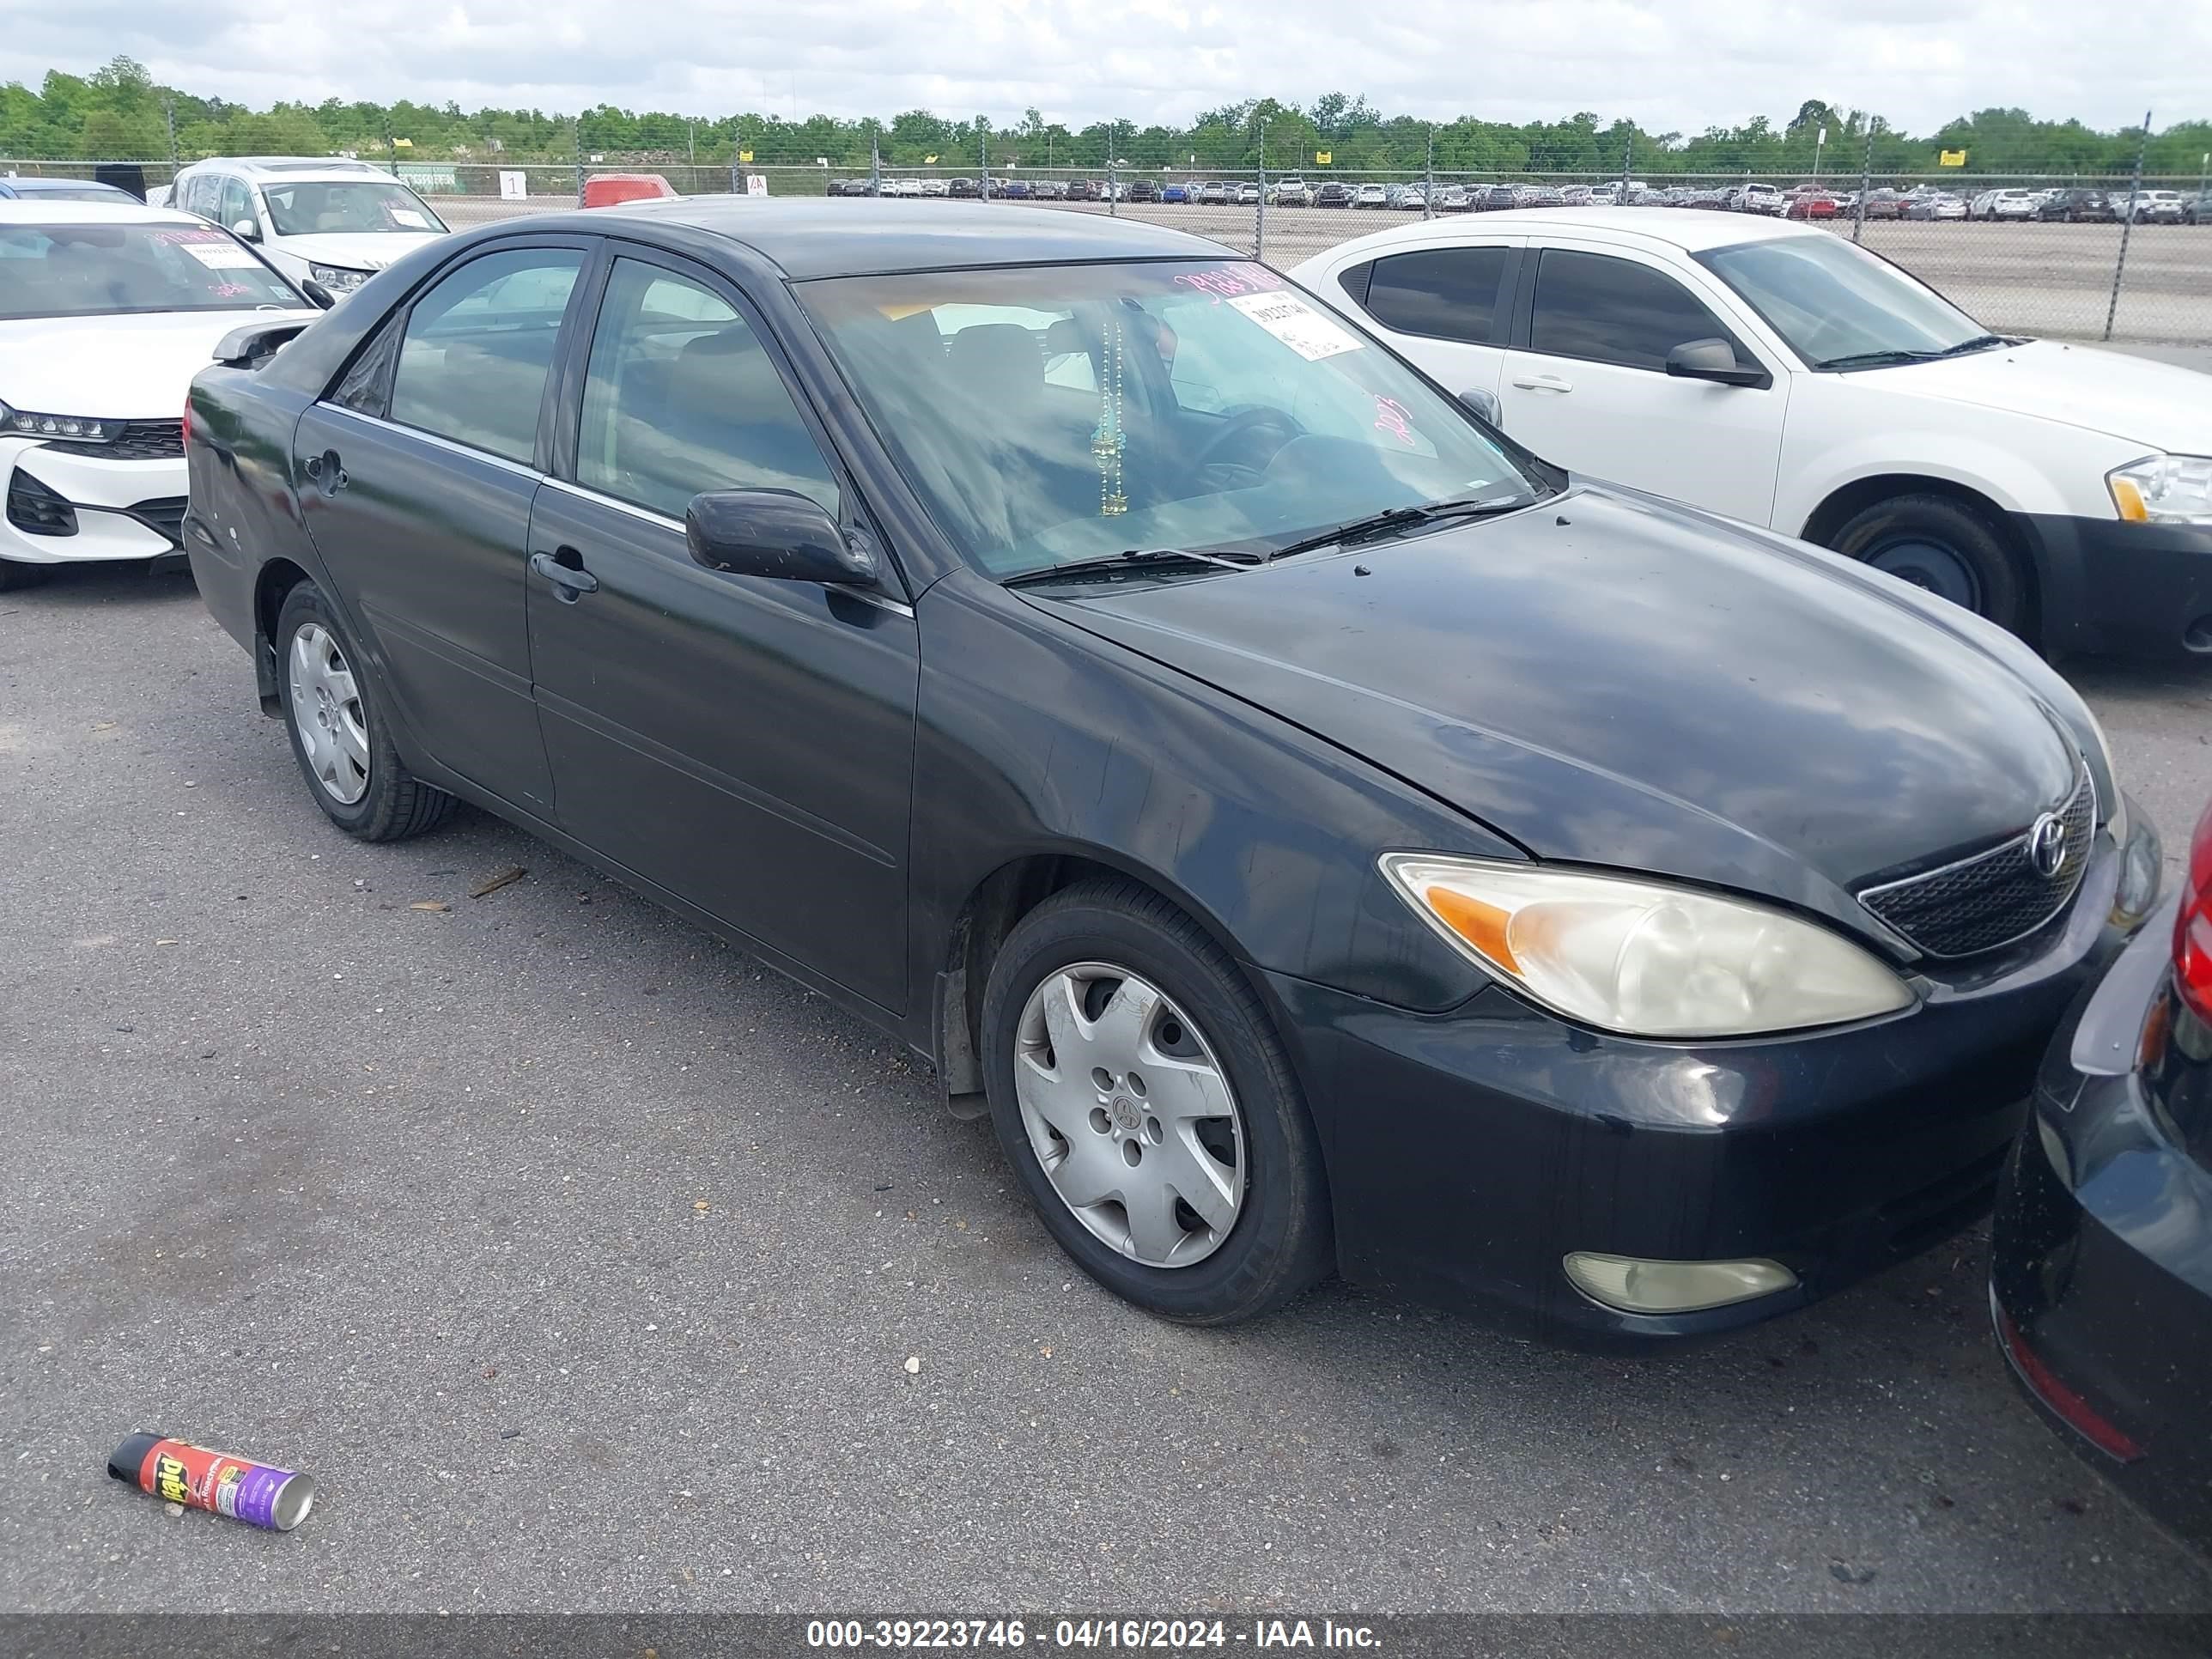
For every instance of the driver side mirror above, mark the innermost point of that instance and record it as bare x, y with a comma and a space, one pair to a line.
1484, 405
246, 230
778, 534
318, 297
1712, 360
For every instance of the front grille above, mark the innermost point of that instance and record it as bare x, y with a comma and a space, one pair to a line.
36, 510
1993, 897
139, 440
167, 516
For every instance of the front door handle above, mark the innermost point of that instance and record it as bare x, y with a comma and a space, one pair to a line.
570, 581
1543, 383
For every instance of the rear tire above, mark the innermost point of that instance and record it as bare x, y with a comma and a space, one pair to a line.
15, 576
1944, 546
1261, 1233
334, 713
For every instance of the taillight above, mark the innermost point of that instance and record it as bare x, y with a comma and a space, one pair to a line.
2192, 927
185, 429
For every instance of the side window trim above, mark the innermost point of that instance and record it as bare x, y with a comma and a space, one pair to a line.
584, 328
403, 315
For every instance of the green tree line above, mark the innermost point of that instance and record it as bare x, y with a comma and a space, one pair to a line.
118, 112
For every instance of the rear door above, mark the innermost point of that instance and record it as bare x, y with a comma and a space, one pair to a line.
417, 475
743, 743
1587, 385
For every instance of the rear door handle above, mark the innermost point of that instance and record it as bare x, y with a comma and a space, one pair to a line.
324, 469
570, 581
1543, 383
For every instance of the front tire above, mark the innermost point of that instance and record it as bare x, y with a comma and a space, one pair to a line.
334, 714
1944, 546
1149, 1109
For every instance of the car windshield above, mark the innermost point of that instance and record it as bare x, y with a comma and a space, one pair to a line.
96, 269
310, 207
1051, 414
1831, 300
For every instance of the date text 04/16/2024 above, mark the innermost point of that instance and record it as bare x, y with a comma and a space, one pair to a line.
1149, 1635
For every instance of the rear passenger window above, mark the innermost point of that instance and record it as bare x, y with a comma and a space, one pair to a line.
681, 397
1614, 310
478, 347
1354, 280
1448, 294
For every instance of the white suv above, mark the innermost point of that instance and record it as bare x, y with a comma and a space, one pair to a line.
1771, 371
324, 220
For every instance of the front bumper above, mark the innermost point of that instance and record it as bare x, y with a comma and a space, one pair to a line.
2102, 1256
1468, 1152
65, 508
2141, 590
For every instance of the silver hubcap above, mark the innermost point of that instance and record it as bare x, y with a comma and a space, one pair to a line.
326, 712
1130, 1114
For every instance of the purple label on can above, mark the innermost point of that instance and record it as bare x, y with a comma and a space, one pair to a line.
251, 1495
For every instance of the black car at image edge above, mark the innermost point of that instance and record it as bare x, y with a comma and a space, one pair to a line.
1321, 833
2101, 1266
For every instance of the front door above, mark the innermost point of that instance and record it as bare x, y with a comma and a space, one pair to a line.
1589, 388
743, 743
415, 476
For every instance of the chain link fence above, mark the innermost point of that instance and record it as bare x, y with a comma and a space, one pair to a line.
2086, 257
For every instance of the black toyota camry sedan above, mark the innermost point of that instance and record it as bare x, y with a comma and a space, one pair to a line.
2100, 1280
1321, 833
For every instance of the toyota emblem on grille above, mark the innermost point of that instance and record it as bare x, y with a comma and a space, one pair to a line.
2046, 845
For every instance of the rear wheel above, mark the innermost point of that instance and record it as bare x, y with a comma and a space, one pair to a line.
1944, 546
334, 713
1147, 1106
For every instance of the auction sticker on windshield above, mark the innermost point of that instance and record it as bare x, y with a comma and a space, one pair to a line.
1296, 324
221, 256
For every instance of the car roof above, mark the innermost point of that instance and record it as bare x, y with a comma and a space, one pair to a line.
290, 167
28, 209
38, 187
810, 238
1692, 229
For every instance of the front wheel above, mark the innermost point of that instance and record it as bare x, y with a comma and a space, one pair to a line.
1139, 1089
333, 711
1944, 546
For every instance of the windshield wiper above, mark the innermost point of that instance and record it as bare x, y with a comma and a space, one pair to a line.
1136, 558
1395, 518
1884, 358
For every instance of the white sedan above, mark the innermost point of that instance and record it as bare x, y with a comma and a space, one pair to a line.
1773, 371
106, 315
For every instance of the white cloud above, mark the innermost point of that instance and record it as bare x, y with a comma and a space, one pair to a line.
1683, 65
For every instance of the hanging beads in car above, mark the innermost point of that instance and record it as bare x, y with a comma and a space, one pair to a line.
1109, 441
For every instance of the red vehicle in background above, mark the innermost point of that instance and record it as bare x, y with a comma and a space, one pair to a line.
1812, 204
605, 189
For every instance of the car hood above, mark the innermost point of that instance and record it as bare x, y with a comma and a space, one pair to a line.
2157, 405
1609, 679
129, 367
357, 250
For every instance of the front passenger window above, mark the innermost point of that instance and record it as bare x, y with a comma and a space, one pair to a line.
478, 347
1605, 310
681, 397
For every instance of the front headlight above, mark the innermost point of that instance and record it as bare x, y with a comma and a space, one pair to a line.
2163, 490
337, 278
1641, 958
77, 429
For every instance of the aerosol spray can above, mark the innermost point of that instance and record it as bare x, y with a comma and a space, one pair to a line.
177, 1473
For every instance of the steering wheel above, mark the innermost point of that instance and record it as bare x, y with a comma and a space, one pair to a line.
1240, 429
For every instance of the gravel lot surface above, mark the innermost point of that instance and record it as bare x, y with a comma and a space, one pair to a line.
582, 1260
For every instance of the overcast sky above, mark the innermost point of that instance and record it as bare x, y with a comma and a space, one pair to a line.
1669, 64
